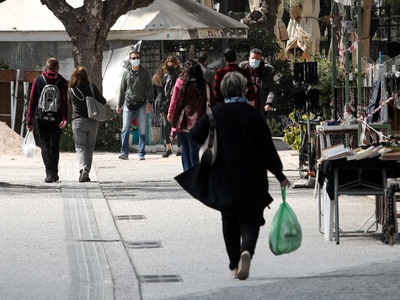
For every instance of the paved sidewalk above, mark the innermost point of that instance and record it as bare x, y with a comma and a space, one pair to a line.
132, 233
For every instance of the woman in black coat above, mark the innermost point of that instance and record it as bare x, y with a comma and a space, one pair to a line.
237, 181
172, 69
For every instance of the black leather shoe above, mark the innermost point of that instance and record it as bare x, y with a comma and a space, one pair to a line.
167, 153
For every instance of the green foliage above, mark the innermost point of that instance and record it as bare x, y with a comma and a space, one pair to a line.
106, 137
67, 139
325, 76
291, 134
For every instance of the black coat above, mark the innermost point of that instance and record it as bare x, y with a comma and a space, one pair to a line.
237, 182
266, 92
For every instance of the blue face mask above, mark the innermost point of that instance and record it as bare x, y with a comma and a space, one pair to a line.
135, 62
254, 63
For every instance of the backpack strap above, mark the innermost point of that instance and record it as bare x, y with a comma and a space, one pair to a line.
58, 81
43, 79
76, 96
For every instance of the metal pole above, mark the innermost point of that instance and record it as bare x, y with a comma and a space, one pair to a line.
347, 66
347, 58
334, 55
224, 10
360, 100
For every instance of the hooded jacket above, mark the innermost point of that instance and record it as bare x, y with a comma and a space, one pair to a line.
51, 78
136, 86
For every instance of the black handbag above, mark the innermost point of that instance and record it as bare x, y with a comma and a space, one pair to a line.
134, 105
208, 151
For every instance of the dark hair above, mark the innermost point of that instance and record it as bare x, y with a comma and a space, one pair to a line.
256, 51
133, 51
202, 57
79, 76
230, 55
192, 70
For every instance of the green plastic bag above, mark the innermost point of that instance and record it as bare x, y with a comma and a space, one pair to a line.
285, 232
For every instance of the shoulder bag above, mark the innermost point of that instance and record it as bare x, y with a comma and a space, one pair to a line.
134, 105
96, 110
208, 151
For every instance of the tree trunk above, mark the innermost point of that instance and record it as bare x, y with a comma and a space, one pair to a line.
88, 27
365, 27
272, 8
91, 57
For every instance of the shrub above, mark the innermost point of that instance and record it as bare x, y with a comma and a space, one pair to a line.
107, 137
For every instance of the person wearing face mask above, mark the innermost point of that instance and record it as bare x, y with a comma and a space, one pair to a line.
172, 69
135, 100
262, 76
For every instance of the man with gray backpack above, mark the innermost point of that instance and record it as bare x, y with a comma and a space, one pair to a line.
48, 113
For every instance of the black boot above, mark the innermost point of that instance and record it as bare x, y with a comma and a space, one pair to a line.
167, 153
55, 175
49, 176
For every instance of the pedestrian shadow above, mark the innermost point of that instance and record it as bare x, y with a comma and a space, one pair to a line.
25, 188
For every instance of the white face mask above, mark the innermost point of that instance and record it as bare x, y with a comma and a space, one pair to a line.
254, 63
135, 62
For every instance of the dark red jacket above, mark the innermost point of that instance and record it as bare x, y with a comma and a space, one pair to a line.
51, 78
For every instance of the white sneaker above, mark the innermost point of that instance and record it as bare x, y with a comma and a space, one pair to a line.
234, 273
244, 265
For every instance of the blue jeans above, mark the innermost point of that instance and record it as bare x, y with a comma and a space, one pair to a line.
189, 151
127, 117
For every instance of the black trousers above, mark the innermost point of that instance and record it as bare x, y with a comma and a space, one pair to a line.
49, 135
239, 236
